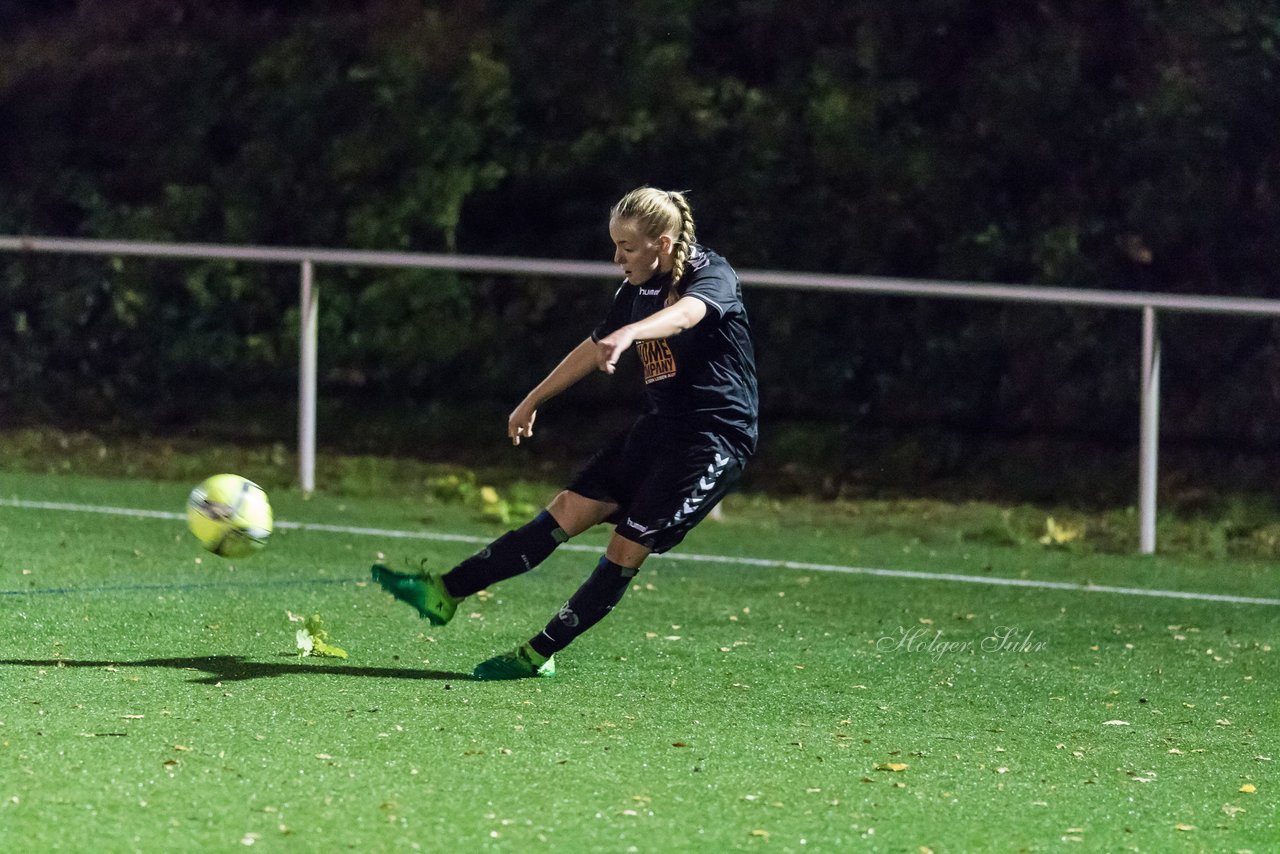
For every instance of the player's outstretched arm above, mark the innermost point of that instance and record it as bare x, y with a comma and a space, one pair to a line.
684, 314
573, 367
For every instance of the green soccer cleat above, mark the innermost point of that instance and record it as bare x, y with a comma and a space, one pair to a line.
425, 591
520, 663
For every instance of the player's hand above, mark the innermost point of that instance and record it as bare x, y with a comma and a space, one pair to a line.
520, 422
611, 347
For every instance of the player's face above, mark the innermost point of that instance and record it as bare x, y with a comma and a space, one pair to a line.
640, 257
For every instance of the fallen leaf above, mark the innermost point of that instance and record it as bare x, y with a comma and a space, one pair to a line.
763, 834
1115, 723
892, 766
1248, 788
1060, 535
1232, 810
1184, 827
312, 638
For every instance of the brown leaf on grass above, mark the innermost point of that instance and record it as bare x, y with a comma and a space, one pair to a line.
1248, 788
892, 766
763, 834
1232, 810
679, 744
1184, 827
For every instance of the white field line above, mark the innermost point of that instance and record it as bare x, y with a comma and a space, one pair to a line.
738, 561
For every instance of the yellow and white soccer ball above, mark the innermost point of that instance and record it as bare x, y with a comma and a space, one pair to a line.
230, 515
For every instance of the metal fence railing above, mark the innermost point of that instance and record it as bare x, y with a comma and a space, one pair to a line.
1150, 305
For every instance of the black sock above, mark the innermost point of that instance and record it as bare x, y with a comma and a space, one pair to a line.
506, 557
595, 598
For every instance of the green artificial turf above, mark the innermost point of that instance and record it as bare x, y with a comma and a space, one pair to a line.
154, 699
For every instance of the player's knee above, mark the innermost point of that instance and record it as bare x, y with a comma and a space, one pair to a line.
626, 553
575, 513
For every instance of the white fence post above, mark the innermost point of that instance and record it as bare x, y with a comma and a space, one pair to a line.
1149, 432
307, 346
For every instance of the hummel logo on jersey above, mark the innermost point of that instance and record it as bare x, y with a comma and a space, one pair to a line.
641, 528
655, 292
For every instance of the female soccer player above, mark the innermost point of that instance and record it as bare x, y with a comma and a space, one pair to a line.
680, 306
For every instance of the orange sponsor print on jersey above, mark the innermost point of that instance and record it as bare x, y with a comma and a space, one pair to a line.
658, 360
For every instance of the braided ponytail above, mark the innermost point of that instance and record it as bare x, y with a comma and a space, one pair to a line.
682, 243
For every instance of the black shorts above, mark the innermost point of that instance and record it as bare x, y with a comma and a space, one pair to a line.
664, 476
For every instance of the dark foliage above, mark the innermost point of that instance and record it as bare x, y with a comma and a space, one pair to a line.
1128, 145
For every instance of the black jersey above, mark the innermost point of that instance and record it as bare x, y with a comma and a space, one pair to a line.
705, 376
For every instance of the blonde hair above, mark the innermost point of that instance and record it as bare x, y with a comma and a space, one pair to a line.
658, 212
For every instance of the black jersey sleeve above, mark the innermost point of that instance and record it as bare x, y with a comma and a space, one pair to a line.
714, 282
619, 313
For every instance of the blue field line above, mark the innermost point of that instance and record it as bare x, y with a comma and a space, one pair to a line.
915, 575
169, 588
